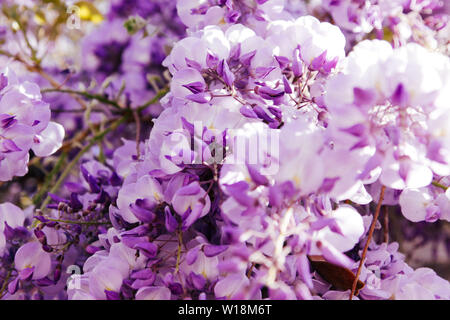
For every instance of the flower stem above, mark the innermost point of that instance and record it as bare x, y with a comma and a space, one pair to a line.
439, 185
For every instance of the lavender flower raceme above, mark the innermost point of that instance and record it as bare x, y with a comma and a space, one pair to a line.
256, 150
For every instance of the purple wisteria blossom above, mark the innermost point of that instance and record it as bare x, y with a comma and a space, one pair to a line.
224, 149
24, 124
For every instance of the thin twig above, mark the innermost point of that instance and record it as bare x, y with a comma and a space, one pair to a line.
49, 178
153, 100
386, 225
84, 94
369, 238
180, 243
250, 270
5, 283
137, 119
75, 160
79, 222
38, 69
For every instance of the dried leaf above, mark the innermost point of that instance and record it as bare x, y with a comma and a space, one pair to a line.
339, 277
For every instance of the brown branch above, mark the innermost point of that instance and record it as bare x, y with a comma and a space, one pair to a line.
137, 119
38, 69
369, 238
250, 270
386, 225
